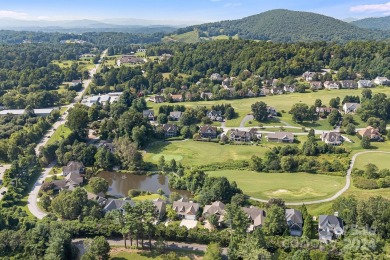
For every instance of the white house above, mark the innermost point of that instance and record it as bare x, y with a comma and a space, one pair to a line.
382, 81
331, 85
350, 107
364, 84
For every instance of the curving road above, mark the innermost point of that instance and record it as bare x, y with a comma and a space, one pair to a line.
32, 201
339, 193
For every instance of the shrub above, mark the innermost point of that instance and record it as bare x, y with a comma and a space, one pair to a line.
363, 183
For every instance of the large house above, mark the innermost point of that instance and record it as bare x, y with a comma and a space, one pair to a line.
216, 208
271, 111
206, 95
350, 107
73, 180
372, 133
216, 77
208, 132
281, 137
101, 99
175, 115
177, 98
161, 207
256, 217
383, 81
170, 130
333, 138
289, 88
149, 114
308, 75
329, 228
129, 59
73, 167
331, 85
215, 115
38, 112
277, 90
185, 209
117, 204
157, 99
348, 84
294, 222
364, 84
240, 136
316, 85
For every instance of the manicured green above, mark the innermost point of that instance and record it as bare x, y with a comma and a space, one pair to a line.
191, 153
147, 197
60, 133
382, 160
281, 102
121, 254
288, 186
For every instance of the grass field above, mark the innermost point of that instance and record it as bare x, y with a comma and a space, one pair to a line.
191, 153
189, 37
147, 197
83, 64
288, 186
280, 102
381, 160
124, 254
59, 134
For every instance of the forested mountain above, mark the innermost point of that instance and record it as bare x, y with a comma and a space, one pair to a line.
286, 26
381, 23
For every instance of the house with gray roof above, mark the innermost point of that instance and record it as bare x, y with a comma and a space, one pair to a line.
208, 131
331, 85
170, 130
348, 84
294, 222
240, 136
256, 217
117, 204
333, 138
351, 107
365, 84
383, 81
216, 77
73, 167
73, 180
329, 228
161, 207
216, 208
175, 115
316, 85
281, 137
149, 114
186, 209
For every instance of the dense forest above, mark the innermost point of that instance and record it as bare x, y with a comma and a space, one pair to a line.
381, 23
287, 26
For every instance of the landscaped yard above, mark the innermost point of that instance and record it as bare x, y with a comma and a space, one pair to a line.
288, 186
280, 102
192, 153
60, 133
381, 160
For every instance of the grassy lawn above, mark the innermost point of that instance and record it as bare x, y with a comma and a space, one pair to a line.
147, 197
192, 153
288, 186
281, 102
381, 160
124, 254
189, 37
60, 133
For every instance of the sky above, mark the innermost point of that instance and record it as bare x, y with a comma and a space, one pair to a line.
183, 10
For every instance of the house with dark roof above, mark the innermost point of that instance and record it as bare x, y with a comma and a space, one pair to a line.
333, 138
161, 207
365, 84
281, 137
157, 99
73, 167
348, 84
117, 204
256, 217
73, 180
185, 209
329, 228
351, 107
372, 133
208, 131
149, 114
170, 130
294, 222
215, 115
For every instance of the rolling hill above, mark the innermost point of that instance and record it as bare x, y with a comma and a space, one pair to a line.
380, 23
284, 26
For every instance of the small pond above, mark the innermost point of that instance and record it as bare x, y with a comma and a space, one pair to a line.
121, 183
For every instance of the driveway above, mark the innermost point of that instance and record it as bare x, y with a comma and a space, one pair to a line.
189, 224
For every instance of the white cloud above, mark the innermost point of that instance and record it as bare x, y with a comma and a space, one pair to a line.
232, 4
12, 14
375, 8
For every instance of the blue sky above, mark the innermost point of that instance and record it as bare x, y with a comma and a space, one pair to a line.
183, 10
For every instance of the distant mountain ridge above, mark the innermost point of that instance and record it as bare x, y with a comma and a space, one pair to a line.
380, 23
286, 26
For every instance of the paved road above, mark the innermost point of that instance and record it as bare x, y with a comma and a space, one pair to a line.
170, 246
247, 118
2, 171
340, 192
32, 201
